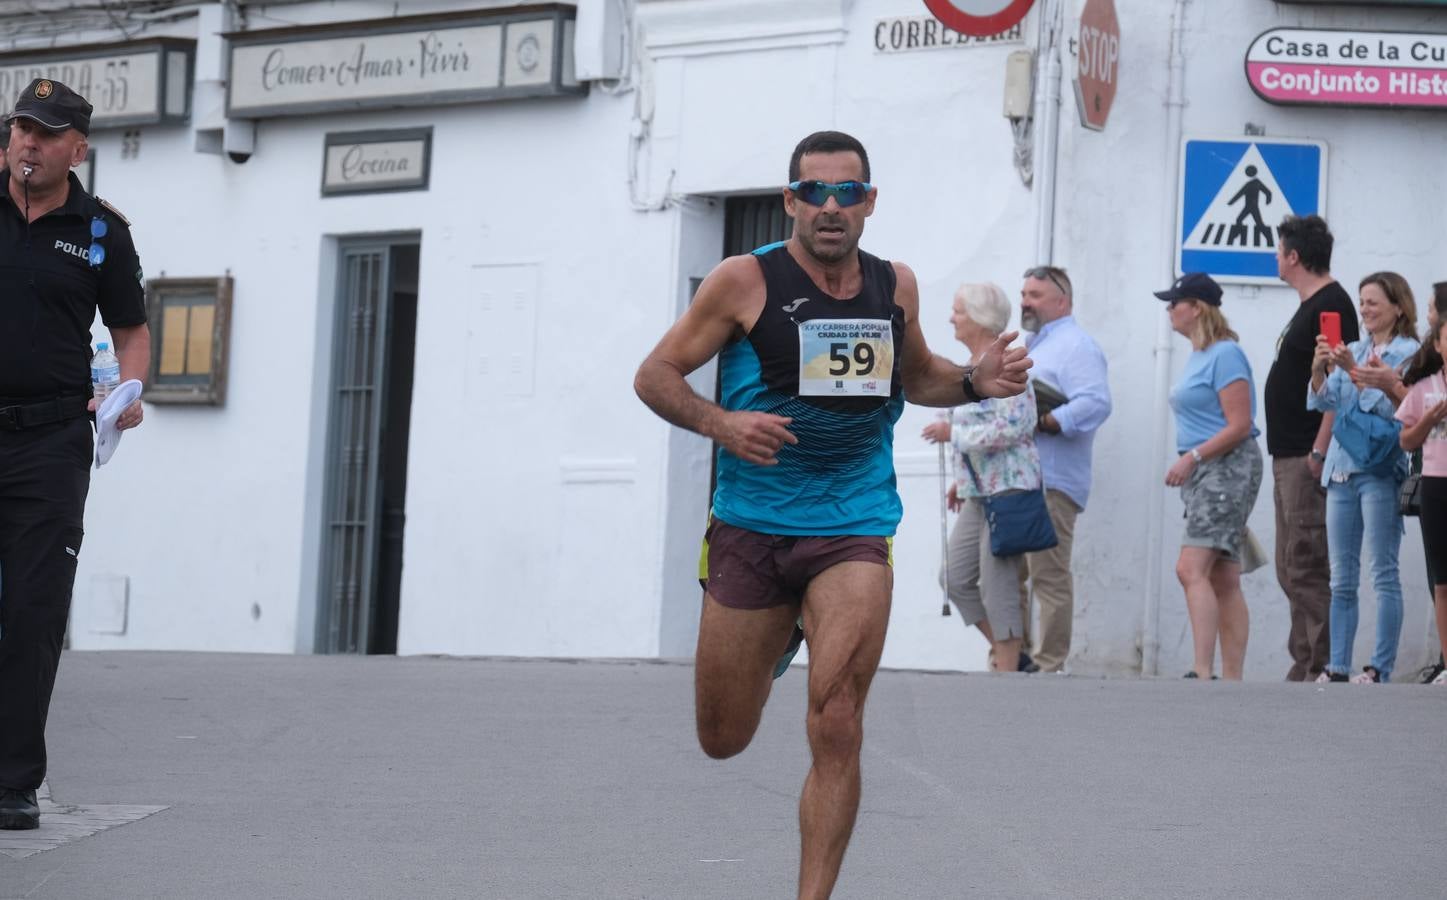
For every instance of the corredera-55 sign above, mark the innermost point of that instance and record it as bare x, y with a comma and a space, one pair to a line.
980, 17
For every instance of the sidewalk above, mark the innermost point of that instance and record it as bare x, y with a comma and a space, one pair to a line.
353, 777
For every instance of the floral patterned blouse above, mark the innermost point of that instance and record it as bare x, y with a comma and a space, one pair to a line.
999, 436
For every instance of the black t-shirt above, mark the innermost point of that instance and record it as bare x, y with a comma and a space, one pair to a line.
49, 292
1291, 427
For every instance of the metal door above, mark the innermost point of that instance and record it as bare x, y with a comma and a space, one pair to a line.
352, 503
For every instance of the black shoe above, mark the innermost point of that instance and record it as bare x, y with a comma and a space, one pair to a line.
18, 810
1027, 664
1430, 673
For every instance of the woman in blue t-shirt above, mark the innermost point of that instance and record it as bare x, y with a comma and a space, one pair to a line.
1218, 472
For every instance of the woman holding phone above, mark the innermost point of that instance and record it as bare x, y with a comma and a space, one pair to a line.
1361, 498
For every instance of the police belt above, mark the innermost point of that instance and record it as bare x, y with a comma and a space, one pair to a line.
20, 416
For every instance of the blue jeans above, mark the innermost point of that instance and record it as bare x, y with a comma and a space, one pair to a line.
1364, 506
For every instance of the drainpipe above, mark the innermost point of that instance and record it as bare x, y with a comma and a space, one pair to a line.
1047, 120
1155, 538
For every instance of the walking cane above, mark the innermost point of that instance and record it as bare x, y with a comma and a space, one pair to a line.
944, 536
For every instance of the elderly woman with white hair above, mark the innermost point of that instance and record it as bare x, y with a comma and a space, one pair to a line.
997, 438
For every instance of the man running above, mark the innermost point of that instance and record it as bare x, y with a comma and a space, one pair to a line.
819, 345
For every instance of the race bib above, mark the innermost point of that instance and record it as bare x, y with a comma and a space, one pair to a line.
845, 357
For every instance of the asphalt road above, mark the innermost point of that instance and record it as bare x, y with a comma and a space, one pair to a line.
311, 776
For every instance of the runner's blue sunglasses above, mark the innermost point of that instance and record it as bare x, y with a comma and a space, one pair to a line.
817, 193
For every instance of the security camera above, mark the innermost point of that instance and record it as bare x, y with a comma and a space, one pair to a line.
239, 139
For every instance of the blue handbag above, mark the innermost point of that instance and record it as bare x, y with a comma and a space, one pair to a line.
1369, 439
1019, 521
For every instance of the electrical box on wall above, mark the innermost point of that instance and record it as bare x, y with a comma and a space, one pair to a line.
1019, 75
598, 40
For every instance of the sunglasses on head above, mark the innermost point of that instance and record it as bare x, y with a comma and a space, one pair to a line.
817, 193
1046, 273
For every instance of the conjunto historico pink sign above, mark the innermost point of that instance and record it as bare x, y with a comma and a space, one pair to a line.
1335, 67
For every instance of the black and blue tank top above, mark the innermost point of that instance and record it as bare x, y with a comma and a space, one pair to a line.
833, 367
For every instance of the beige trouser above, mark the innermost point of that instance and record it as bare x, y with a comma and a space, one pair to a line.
1303, 566
1053, 587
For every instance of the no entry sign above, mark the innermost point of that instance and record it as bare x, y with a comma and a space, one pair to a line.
981, 18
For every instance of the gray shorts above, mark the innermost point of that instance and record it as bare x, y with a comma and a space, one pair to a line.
1219, 496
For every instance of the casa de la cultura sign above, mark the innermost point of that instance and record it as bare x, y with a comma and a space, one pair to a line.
135, 83
411, 61
1339, 67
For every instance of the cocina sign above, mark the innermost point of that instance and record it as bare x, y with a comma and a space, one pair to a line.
981, 18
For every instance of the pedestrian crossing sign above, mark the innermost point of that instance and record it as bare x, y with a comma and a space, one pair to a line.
1234, 193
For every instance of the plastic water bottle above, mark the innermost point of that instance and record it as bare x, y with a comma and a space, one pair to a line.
105, 372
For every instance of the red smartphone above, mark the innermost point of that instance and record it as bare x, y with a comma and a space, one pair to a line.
1331, 328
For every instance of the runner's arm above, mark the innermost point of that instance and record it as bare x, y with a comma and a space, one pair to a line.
727, 302
930, 379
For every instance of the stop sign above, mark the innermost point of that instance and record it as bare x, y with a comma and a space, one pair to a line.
980, 18
1099, 62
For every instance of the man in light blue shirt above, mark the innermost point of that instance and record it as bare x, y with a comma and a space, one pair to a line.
1070, 362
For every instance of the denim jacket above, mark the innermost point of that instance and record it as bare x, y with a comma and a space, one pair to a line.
1338, 393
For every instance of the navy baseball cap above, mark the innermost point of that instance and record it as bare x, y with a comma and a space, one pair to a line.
53, 105
1193, 286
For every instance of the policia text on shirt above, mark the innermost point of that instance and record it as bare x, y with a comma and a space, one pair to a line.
63, 255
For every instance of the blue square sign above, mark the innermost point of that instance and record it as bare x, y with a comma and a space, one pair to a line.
1233, 195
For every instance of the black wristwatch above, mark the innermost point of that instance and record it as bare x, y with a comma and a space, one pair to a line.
971, 395
1317, 455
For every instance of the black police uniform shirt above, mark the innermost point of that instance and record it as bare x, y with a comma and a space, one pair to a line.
49, 292
1291, 427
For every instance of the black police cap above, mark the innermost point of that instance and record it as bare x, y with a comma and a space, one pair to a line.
53, 105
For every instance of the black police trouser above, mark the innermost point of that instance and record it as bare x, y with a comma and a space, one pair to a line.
44, 478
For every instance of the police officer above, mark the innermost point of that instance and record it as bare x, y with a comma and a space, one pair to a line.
63, 255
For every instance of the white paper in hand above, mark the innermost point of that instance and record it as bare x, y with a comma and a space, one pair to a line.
107, 436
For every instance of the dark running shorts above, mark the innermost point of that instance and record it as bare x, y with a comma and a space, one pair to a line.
747, 570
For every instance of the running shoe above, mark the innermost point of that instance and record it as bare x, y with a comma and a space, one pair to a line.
1441, 677
795, 640
1327, 677
1432, 674
1369, 675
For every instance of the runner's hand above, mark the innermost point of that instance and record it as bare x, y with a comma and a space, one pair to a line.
1003, 371
755, 437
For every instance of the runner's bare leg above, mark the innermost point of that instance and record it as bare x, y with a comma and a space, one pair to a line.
734, 671
846, 612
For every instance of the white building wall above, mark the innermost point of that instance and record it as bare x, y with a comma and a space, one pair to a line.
563, 521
